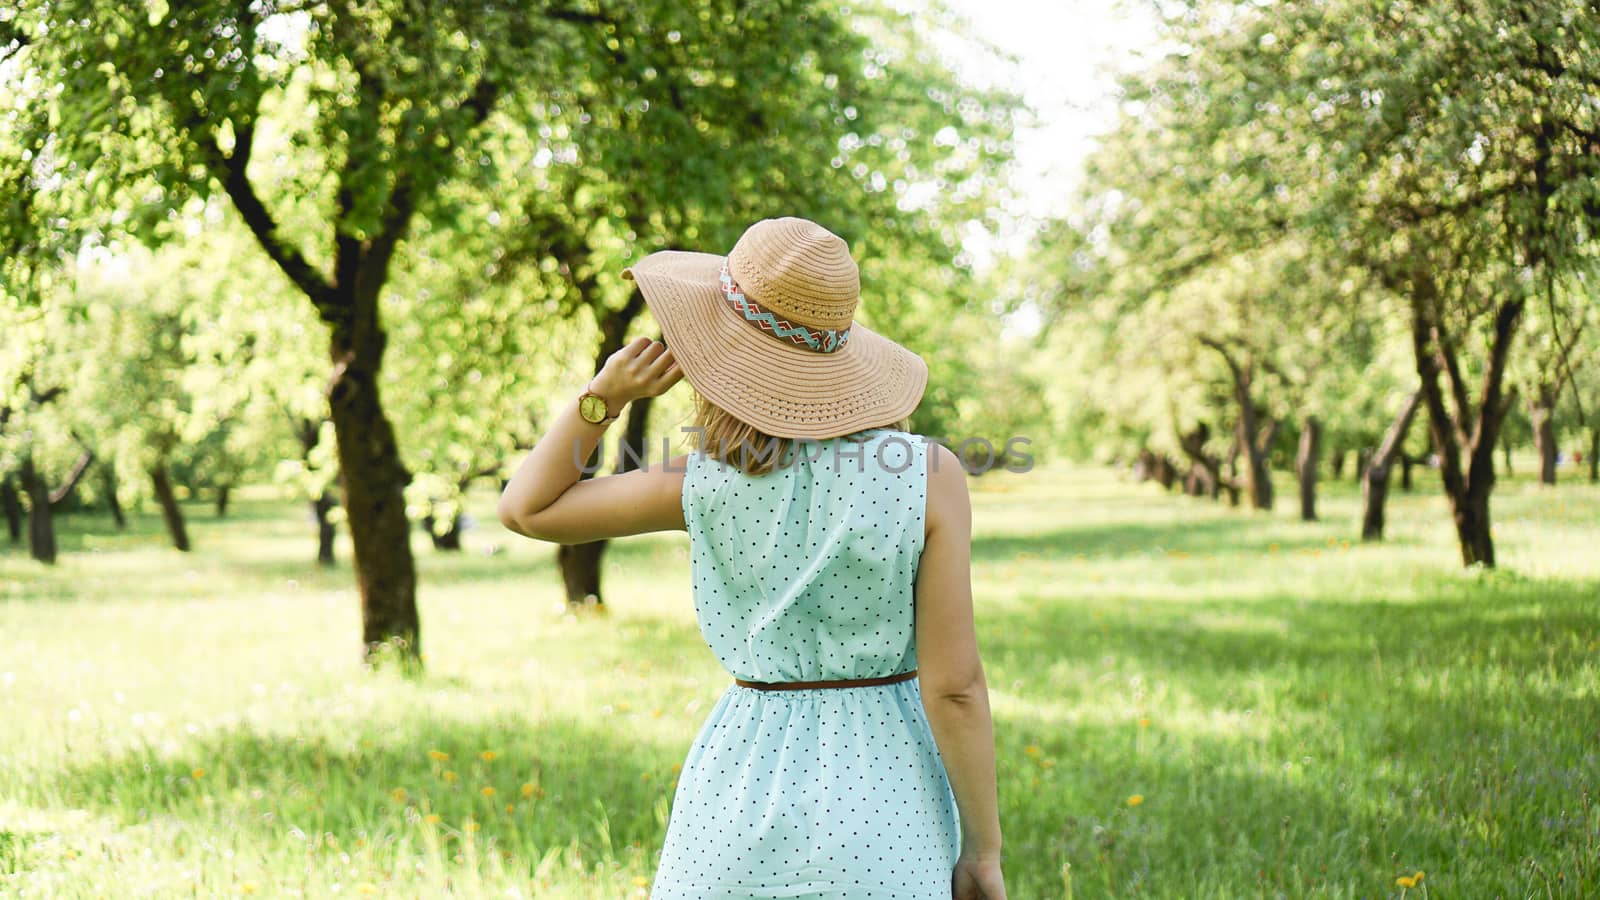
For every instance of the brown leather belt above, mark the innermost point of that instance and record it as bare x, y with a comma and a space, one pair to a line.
844, 683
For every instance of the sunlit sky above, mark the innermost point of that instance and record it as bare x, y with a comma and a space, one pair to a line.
1067, 53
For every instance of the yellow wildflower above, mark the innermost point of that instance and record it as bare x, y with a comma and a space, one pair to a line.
471, 827
431, 818
487, 790
640, 881
1032, 750
528, 789
1417, 878
1144, 723
198, 773
1136, 799
488, 755
656, 713
438, 755
1405, 882
365, 888
510, 808
249, 887
449, 776
399, 795
1047, 763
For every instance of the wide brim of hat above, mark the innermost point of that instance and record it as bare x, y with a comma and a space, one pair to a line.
780, 388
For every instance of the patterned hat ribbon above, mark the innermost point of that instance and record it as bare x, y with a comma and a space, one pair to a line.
820, 340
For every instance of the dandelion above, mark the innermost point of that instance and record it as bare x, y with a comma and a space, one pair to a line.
1047, 763
365, 888
1136, 799
198, 774
1144, 723
471, 827
510, 808
438, 755
450, 776
399, 795
677, 767
1417, 878
431, 818
488, 755
249, 887
528, 789
655, 713
622, 706
487, 790
1032, 750
1405, 881
640, 881
1272, 547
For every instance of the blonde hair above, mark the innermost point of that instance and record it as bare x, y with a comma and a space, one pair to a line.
723, 437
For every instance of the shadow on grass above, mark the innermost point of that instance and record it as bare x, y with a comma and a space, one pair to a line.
568, 783
1454, 731
1197, 537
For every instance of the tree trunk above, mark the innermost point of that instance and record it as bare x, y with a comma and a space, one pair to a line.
1205, 471
1541, 412
320, 508
222, 499
580, 572
1465, 440
1472, 529
1336, 463
60, 496
1505, 451
450, 540
1407, 461
1594, 455
1305, 464
108, 486
1254, 438
374, 480
41, 525
13, 507
170, 512
1375, 481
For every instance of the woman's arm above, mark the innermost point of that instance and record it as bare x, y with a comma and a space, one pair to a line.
955, 695
546, 500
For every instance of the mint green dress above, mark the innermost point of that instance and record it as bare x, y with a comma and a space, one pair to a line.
807, 574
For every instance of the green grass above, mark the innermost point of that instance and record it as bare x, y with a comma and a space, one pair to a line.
1301, 716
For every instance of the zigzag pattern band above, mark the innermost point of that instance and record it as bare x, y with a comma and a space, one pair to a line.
820, 340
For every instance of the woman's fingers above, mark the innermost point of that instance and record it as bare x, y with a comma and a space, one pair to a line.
662, 360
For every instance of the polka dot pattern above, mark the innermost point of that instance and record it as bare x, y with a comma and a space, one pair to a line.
806, 574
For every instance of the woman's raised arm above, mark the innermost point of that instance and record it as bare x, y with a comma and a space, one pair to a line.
546, 500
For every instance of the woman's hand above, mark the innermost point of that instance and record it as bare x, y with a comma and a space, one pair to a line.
642, 368
978, 878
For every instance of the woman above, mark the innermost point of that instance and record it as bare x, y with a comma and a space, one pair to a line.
853, 757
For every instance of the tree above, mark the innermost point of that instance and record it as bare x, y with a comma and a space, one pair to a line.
388, 116
1446, 152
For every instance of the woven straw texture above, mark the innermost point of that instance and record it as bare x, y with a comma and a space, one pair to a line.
803, 273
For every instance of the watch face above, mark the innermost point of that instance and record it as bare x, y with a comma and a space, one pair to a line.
592, 408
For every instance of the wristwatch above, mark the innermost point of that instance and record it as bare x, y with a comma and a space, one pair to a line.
594, 408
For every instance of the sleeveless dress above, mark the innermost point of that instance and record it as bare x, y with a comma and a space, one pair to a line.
806, 574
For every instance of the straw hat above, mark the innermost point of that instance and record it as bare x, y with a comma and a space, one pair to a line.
768, 332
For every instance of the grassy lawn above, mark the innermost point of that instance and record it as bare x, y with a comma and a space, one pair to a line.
1190, 701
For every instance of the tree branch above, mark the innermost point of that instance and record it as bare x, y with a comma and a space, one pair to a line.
230, 170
